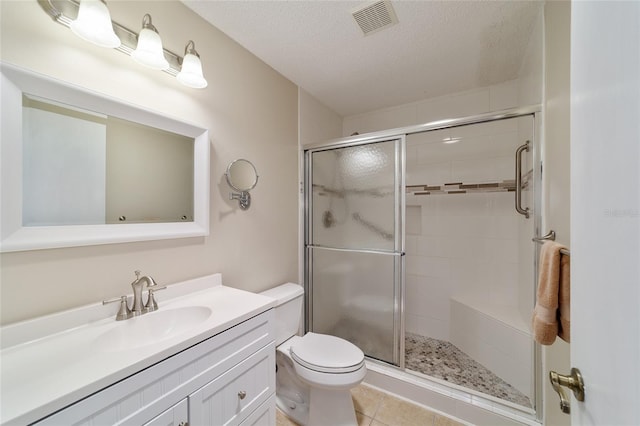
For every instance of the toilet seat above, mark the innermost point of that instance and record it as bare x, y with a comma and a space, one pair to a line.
327, 354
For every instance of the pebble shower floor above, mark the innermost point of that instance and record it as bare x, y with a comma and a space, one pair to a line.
442, 360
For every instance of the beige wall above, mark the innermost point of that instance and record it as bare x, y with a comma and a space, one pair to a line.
556, 176
250, 111
318, 123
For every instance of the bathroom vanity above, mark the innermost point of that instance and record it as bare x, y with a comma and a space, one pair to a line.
206, 357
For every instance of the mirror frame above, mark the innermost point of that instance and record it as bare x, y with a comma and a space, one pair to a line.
15, 237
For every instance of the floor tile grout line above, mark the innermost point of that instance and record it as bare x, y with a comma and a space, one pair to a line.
379, 404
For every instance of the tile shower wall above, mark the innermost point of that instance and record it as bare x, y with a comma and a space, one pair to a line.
464, 251
463, 246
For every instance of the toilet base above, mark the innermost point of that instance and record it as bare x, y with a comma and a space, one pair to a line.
331, 407
297, 411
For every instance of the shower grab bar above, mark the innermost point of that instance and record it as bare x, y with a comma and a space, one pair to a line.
369, 251
519, 209
550, 236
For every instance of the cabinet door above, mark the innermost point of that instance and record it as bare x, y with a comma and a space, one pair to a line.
264, 415
174, 416
230, 398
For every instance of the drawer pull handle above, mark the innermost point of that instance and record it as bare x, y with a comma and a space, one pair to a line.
242, 394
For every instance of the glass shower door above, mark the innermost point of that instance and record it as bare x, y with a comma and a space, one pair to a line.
354, 245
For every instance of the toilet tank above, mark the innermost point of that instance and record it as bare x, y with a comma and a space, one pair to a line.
288, 309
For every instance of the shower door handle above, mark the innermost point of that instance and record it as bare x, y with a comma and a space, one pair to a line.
519, 209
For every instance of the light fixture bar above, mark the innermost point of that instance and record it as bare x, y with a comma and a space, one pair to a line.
65, 11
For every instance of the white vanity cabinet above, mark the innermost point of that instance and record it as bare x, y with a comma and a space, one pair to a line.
228, 379
177, 415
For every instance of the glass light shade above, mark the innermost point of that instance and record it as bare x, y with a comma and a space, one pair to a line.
191, 73
94, 24
149, 50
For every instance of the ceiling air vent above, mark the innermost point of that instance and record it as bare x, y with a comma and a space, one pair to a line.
375, 16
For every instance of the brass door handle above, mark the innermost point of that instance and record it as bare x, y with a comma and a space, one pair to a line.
573, 381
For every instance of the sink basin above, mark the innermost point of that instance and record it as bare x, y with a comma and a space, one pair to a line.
151, 328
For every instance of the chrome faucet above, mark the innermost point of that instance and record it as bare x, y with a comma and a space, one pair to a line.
138, 286
138, 308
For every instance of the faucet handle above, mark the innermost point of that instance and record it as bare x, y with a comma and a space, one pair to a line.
123, 312
151, 304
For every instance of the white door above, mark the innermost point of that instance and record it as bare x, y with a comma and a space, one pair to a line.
605, 210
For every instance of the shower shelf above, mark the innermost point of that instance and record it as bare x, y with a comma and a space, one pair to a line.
468, 188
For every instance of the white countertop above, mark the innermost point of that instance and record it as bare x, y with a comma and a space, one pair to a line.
50, 362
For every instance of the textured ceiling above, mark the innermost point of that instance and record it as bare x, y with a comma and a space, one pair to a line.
438, 47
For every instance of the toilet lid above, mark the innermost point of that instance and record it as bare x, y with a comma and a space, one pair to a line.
327, 354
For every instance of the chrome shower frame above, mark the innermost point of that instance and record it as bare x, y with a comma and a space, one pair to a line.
399, 249
533, 111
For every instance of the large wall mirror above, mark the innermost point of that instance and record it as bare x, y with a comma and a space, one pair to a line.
79, 168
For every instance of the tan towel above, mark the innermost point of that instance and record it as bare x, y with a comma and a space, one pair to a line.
564, 299
551, 316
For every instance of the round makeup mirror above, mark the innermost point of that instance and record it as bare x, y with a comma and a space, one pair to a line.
242, 176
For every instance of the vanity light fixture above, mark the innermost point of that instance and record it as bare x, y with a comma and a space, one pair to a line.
191, 73
149, 50
92, 24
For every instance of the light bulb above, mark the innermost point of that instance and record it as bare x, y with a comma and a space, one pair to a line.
149, 50
94, 24
191, 72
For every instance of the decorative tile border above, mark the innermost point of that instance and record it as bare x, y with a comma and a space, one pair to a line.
468, 188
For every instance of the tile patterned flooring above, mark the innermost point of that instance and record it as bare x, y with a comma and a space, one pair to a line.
441, 359
377, 408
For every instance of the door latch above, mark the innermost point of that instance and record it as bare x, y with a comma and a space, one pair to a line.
573, 381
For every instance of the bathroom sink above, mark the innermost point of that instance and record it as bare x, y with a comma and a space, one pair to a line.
151, 328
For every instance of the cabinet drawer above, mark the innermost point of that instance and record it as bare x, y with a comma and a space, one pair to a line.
264, 415
230, 398
139, 398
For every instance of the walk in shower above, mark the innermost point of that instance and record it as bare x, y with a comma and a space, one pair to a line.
418, 250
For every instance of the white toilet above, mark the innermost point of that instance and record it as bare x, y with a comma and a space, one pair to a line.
315, 372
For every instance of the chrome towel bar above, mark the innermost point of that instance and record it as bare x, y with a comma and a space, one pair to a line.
550, 236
